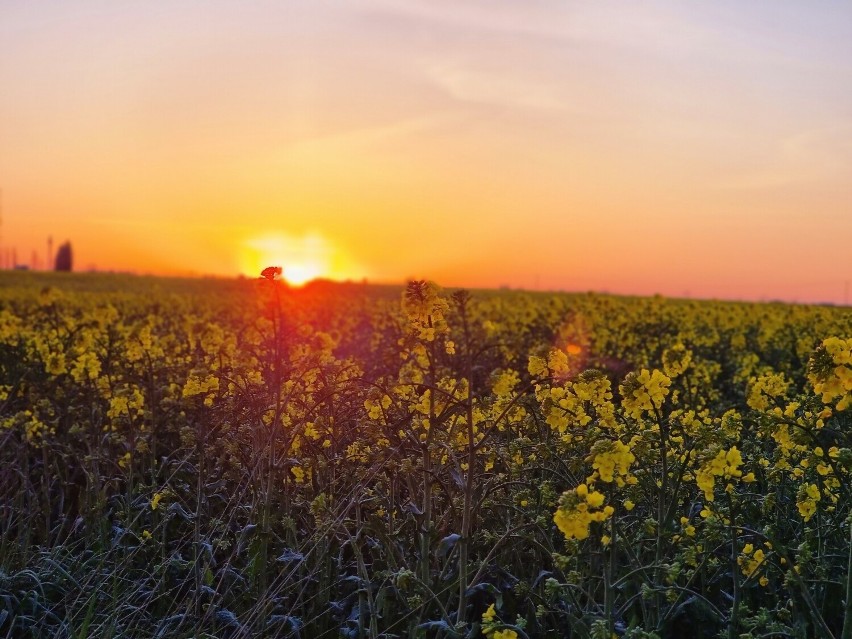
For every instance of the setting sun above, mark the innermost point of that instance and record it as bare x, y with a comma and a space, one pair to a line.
298, 274
302, 258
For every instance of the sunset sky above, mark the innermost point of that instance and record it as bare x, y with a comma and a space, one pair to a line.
686, 148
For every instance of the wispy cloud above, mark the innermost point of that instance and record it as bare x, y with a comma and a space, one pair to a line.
811, 157
467, 84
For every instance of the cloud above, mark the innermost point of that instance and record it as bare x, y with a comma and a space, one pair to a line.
808, 157
467, 84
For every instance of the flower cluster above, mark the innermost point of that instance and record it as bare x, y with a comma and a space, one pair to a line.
830, 371
726, 465
578, 509
808, 497
751, 560
644, 392
611, 461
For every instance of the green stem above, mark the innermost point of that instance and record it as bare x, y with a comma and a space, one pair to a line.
734, 622
608, 575
847, 611
661, 514
467, 513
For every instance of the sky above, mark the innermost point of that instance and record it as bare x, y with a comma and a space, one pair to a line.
698, 149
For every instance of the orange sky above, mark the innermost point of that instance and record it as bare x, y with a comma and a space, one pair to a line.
700, 148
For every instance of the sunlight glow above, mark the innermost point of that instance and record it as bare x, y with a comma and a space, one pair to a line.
298, 274
302, 258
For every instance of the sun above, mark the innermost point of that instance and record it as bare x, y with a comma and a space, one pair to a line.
299, 273
302, 258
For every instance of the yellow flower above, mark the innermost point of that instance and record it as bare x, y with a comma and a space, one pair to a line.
808, 497
595, 499
676, 360
629, 505
724, 464
830, 372
155, 500
750, 560
537, 366
577, 512
644, 391
613, 459
504, 634
573, 524
489, 614
301, 474
765, 388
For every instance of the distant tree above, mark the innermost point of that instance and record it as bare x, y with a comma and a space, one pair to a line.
64, 257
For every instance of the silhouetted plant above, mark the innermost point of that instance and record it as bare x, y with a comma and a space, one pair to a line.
64, 258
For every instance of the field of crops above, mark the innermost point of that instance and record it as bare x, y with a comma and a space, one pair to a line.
242, 459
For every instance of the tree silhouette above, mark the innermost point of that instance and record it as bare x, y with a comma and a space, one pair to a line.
64, 257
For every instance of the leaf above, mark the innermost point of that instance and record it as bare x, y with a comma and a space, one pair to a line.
354, 613
290, 557
170, 624
293, 624
487, 587
245, 534
440, 625
231, 577
176, 510
541, 575
354, 579
228, 618
457, 478
177, 561
117, 534
447, 544
207, 547
215, 486
413, 509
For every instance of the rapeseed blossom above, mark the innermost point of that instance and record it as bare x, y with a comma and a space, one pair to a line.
725, 464
644, 392
578, 509
830, 372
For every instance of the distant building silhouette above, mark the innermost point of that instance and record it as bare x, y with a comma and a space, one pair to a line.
64, 257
